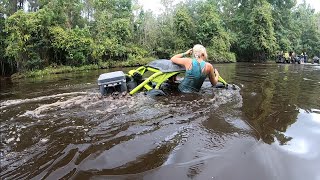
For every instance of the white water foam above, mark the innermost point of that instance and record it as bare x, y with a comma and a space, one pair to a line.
59, 104
15, 102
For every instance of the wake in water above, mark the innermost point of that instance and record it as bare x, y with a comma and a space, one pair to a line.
79, 133
10, 103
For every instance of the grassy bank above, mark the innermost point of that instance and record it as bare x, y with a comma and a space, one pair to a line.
68, 69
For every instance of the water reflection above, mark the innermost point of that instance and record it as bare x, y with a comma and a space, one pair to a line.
60, 128
302, 141
278, 95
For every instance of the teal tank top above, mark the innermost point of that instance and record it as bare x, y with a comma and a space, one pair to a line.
194, 78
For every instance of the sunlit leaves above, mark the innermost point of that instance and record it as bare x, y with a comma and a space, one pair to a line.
78, 32
261, 28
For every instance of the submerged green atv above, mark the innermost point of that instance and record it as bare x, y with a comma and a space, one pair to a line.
148, 77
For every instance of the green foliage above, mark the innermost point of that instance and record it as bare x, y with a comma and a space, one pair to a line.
65, 13
212, 34
107, 33
219, 50
261, 33
74, 44
185, 28
284, 24
67, 69
21, 28
308, 36
6, 66
255, 36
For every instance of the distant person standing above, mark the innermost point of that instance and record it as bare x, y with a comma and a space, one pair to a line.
292, 55
305, 57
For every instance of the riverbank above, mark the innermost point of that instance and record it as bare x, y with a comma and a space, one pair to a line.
102, 65
67, 69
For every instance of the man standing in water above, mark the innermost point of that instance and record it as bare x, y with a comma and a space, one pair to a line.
196, 69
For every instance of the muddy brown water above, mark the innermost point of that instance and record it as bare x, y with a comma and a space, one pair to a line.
57, 127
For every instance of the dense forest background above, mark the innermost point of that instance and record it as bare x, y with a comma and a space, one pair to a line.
35, 34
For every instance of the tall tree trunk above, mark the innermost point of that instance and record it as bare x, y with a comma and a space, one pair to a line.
13, 6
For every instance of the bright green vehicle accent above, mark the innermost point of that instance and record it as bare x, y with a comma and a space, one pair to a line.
222, 81
145, 82
141, 70
160, 75
157, 78
162, 78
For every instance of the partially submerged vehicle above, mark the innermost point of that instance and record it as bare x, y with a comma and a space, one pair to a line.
291, 59
297, 59
316, 59
283, 58
149, 78
280, 59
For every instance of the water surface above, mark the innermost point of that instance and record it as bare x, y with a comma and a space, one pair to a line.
268, 128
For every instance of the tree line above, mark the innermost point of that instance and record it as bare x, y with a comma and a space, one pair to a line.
35, 34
